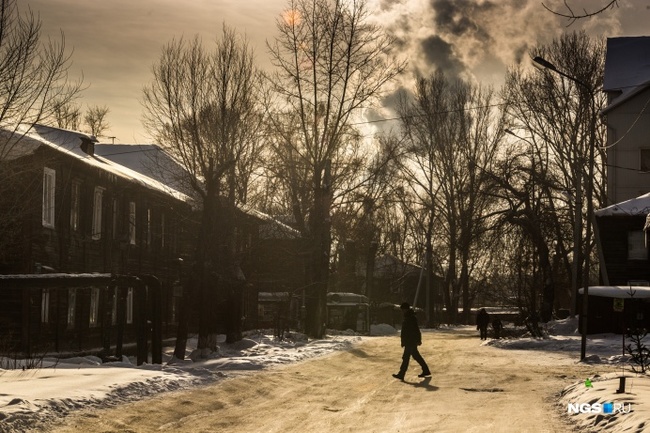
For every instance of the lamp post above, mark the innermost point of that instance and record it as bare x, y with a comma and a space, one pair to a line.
589, 197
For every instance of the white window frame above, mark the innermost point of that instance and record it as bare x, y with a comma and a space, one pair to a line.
132, 226
75, 205
49, 196
45, 306
98, 199
94, 307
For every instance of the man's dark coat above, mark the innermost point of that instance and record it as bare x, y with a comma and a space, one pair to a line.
411, 335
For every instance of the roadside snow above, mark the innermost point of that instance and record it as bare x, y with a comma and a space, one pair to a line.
32, 396
594, 404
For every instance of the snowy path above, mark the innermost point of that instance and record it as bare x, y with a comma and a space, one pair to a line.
474, 388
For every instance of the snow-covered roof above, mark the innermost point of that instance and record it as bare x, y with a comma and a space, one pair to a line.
627, 63
68, 143
150, 160
626, 292
638, 206
346, 298
270, 227
627, 67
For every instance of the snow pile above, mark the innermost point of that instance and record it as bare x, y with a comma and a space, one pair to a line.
563, 336
33, 397
596, 406
382, 329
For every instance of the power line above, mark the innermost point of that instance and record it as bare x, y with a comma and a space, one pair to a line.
460, 110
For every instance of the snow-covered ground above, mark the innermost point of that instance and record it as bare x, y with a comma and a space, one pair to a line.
595, 405
58, 387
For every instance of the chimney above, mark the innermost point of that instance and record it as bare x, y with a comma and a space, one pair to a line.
88, 145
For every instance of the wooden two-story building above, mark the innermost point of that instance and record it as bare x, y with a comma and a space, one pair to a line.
66, 212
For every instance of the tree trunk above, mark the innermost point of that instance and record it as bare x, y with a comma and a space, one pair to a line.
320, 254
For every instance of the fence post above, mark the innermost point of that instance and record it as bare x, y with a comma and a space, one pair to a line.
154, 299
141, 327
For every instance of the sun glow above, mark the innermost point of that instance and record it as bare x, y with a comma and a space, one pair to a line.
291, 17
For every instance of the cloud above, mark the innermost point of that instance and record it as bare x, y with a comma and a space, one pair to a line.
458, 17
115, 43
476, 39
440, 54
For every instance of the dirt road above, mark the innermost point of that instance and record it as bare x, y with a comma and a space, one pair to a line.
474, 388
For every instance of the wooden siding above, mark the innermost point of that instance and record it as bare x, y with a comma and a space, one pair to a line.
65, 249
628, 125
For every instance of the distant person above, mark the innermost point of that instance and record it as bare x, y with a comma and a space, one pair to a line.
411, 338
482, 322
497, 326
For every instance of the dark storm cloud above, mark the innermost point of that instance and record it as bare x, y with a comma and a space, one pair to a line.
458, 17
440, 55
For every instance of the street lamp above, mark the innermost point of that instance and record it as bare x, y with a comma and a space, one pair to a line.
589, 196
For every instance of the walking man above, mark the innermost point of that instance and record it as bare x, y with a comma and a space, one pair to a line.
482, 322
411, 339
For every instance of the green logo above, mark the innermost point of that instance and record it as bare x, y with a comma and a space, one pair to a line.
588, 383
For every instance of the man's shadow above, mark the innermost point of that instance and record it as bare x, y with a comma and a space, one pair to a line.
424, 383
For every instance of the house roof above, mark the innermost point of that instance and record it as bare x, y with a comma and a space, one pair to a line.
638, 206
270, 228
28, 139
153, 161
627, 68
150, 160
625, 292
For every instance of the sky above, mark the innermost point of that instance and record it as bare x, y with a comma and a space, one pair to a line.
80, 383
115, 43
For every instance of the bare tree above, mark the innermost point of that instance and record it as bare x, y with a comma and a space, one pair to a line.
331, 63
453, 133
95, 119
524, 187
67, 115
572, 16
33, 80
33, 76
203, 107
559, 120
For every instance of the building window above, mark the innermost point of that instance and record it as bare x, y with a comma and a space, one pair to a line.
94, 306
129, 306
97, 213
72, 307
132, 223
49, 190
644, 160
636, 249
45, 306
75, 205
